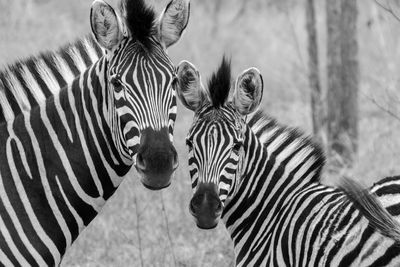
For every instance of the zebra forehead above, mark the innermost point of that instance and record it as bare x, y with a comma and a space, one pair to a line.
131, 56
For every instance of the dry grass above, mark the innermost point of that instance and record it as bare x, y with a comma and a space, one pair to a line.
268, 36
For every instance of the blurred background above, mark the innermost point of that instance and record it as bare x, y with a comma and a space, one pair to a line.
139, 227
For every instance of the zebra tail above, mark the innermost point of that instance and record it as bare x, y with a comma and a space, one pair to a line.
369, 206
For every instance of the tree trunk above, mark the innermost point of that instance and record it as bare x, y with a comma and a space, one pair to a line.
317, 105
343, 77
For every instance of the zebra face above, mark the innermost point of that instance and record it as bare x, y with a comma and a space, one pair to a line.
216, 140
139, 77
215, 144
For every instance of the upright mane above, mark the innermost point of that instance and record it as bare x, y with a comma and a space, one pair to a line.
268, 130
220, 83
140, 20
78, 54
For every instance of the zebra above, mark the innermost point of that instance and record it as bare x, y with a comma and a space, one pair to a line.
27, 83
263, 180
64, 158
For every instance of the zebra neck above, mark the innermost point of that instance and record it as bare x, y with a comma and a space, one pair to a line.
59, 166
277, 160
92, 107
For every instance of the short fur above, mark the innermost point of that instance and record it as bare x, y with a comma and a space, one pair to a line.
140, 20
220, 83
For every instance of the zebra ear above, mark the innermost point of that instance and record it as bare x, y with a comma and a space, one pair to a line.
248, 91
105, 24
173, 21
189, 87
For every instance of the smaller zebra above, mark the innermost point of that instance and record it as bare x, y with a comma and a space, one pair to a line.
263, 180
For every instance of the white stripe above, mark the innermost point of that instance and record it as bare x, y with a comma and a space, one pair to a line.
90, 51
63, 118
63, 69
15, 88
78, 218
32, 85
77, 58
47, 77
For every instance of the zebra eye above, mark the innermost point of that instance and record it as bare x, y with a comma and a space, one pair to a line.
115, 82
236, 147
189, 144
174, 81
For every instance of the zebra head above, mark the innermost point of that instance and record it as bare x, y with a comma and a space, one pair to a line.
216, 137
138, 77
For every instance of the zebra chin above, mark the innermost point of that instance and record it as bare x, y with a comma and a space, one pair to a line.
205, 206
156, 159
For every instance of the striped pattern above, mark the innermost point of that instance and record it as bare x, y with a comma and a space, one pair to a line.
275, 209
64, 157
30, 82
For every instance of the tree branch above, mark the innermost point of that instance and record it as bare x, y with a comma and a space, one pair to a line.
381, 107
297, 45
388, 9
241, 11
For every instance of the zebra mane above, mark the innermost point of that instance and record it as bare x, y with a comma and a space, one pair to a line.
267, 130
140, 20
30, 81
220, 83
66, 52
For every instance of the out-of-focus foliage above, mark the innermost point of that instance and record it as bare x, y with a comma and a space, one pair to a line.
269, 35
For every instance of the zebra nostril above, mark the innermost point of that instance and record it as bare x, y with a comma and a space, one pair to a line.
192, 207
140, 162
219, 208
175, 162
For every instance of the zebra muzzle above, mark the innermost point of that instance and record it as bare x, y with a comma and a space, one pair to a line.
156, 160
205, 206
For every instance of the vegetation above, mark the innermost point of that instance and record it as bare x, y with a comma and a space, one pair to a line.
270, 35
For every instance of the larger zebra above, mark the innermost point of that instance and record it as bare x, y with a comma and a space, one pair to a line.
62, 159
263, 180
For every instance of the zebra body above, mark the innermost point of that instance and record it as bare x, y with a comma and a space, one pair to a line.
263, 180
63, 158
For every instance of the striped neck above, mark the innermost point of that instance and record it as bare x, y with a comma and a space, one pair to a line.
94, 103
61, 164
276, 160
